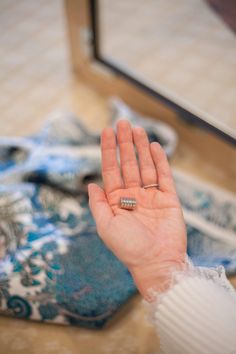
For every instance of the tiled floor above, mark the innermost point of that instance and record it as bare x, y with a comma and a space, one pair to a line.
35, 77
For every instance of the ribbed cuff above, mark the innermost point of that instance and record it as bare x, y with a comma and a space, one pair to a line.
198, 315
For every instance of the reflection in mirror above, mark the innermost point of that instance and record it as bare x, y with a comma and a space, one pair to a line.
184, 50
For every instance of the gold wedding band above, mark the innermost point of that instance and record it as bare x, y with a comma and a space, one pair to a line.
128, 203
156, 185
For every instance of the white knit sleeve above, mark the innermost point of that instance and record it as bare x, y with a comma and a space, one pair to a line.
198, 314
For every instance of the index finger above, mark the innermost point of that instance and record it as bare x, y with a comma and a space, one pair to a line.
110, 168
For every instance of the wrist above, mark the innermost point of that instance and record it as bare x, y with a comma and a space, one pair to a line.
156, 278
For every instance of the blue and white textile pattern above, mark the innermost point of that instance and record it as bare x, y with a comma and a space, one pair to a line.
53, 265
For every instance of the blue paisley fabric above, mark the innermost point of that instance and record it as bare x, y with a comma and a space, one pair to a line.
53, 265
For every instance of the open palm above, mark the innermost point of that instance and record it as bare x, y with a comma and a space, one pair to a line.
151, 239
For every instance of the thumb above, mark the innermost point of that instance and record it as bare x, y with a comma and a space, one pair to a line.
99, 206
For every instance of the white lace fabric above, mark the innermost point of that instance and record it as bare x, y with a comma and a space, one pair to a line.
197, 314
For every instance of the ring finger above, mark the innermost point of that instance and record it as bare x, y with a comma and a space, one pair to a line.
146, 164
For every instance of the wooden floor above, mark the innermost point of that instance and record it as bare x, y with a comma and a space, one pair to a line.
35, 80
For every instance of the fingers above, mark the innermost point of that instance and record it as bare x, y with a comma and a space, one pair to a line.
110, 169
99, 206
165, 178
147, 167
154, 166
129, 165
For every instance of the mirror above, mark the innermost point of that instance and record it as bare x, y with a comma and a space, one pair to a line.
184, 51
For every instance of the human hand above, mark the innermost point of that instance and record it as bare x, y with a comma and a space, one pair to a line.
151, 239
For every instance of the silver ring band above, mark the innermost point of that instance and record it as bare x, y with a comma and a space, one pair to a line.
128, 203
156, 185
